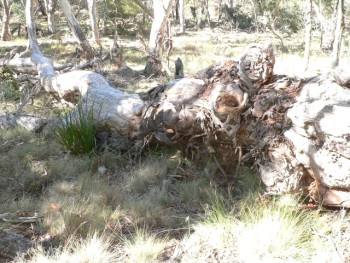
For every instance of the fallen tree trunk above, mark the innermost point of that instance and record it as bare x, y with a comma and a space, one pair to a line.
293, 131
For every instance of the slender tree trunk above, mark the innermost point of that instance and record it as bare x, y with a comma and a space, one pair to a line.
203, 11
50, 6
206, 11
93, 21
200, 15
75, 27
182, 16
308, 28
162, 9
5, 31
338, 34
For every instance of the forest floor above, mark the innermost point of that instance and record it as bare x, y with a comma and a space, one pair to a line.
160, 206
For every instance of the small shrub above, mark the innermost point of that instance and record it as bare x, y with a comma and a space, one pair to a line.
9, 89
76, 130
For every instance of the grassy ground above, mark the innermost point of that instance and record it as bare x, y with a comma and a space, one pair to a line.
159, 207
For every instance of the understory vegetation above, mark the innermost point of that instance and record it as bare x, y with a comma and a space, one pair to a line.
103, 205
158, 208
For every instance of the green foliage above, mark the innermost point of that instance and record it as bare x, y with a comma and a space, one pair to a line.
290, 20
239, 19
9, 89
76, 130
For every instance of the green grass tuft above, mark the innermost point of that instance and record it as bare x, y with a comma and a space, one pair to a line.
76, 130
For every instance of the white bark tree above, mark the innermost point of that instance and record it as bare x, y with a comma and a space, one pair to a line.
338, 34
50, 6
182, 16
203, 12
308, 29
5, 30
77, 30
161, 11
93, 21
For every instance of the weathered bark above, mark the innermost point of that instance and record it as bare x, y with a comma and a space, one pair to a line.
5, 31
338, 34
233, 112
162, 9
93, 21
50, 6
308, 29
75, 27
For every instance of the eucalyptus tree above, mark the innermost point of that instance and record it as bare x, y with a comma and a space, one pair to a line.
308, 29
338, 34
50, 7
93, 21
161, 12
5, 30
77, 30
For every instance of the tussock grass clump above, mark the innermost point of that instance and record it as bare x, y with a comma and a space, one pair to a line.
76, 130
144, 247
81, 206
259, 233
90, 250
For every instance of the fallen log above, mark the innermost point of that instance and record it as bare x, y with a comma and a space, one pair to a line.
295, 132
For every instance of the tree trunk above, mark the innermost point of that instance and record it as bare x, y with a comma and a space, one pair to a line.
182, 16
328, 26
203, 11
231, 113
50, 6
93, 22
338, 34
5, 31
75, 27
162, 9
308, 29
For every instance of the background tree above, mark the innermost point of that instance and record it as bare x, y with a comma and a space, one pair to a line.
338, 34
50, 7
308, 29
75, 27
161, 11
203, 12
93, 21
5, 30
182, 16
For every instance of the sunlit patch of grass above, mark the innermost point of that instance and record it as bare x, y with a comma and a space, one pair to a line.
80, 207
274, 232
259, 233
144, 247
92, 249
